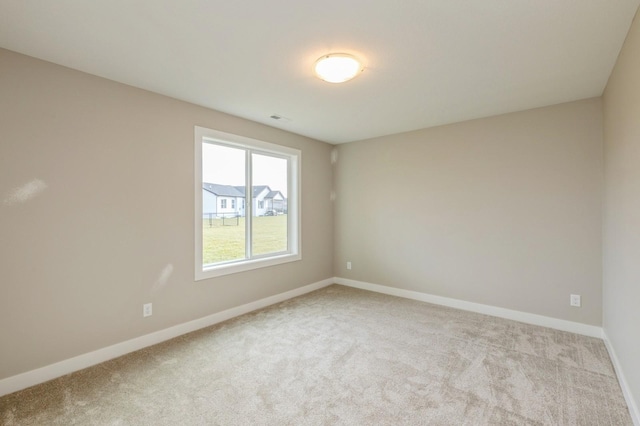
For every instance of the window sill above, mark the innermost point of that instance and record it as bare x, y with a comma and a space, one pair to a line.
247, 265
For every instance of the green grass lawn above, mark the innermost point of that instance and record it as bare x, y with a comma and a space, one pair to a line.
222, 243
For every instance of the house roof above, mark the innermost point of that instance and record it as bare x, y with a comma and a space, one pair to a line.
272, 194
256, 189
222, 190
237, 191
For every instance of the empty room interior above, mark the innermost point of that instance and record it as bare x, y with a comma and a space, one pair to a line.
199, 226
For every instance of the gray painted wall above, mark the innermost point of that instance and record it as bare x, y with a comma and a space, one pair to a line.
622, 209
110, 223
503, 211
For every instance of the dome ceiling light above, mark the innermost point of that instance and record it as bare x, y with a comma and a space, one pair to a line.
338, 67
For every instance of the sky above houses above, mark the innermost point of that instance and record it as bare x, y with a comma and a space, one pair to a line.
226, 166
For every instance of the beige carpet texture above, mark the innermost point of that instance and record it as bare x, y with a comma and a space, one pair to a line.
341, 356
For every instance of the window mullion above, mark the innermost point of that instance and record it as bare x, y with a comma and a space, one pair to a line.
290, 190
248, 193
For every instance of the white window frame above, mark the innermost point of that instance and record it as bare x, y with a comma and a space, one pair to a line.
294, 225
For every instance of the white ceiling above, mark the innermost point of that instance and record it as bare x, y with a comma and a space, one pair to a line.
428, 62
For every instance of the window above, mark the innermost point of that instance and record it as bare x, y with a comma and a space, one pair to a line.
248, 170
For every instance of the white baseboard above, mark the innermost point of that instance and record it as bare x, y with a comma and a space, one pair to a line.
41, 375
558, 324
626, 391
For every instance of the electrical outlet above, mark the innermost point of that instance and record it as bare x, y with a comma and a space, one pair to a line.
147, 309
575, 300
348, 265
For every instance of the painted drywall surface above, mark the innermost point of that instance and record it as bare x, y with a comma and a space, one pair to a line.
621, 283
96, 214
503, 211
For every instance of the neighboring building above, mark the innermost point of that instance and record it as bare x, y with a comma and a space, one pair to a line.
221, 201
276, 202
227, 201
259, 193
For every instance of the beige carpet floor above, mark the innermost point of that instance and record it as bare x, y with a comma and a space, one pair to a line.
346, 357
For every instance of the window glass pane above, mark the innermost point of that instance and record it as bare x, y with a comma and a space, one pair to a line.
269, 224
247, 212
223, 192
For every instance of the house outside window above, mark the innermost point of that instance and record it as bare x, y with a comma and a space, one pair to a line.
252, 237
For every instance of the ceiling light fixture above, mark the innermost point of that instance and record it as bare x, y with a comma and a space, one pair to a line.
338, 67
